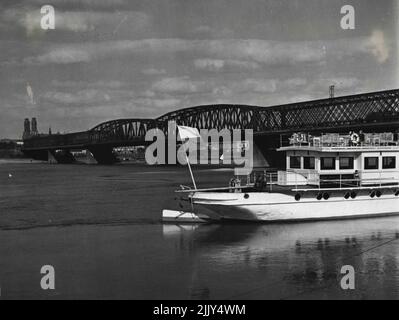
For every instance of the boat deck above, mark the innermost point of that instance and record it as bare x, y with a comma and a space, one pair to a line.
275, 188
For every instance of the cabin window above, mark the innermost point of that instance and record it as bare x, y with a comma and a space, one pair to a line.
327, 163
388, 162
295, 162
371, 163
308, 163
345, 163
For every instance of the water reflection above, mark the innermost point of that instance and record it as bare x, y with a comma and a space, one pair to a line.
301, 260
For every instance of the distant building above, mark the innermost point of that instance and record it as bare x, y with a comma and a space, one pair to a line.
26, 133
30, 128
34, 131
10, 148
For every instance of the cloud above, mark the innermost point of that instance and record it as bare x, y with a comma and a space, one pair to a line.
179, 85
82, 97
242, 64
376, 45
221, 87
235, 52
379, 46
203, 29
84, 3
217, 54
294, 82
209, 64
256, 85
60, 56
218, 64
222, 91
158, 103
77, 21
259, 85
104, 84
153, 71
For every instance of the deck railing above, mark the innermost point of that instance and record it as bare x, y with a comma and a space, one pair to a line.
267, 179
335, 140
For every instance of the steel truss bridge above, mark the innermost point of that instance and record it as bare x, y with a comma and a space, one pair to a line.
373, 111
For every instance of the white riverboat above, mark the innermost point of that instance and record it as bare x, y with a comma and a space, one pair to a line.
331, 176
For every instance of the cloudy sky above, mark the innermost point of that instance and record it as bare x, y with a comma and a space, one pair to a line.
110, 59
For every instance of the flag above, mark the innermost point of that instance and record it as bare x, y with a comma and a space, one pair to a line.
188, 133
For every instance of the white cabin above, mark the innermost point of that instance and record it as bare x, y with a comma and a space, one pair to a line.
320, 159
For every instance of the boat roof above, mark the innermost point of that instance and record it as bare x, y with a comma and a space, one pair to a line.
340, 148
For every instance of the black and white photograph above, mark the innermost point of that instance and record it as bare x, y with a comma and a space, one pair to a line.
199, 154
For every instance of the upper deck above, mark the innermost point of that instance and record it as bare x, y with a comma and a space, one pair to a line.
334, 142
340, 149
371, 158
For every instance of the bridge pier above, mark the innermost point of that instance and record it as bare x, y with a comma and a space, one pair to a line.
103, 155
60, 156
36, 154
260, 160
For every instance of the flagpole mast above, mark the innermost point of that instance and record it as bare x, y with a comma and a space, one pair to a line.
189, 166
185, 133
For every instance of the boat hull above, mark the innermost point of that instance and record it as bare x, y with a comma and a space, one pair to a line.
264, 206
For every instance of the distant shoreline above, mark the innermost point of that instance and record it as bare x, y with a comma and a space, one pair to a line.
18, 160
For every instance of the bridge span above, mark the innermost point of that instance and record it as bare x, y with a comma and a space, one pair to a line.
371, 112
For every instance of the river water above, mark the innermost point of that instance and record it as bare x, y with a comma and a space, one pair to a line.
100, 228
